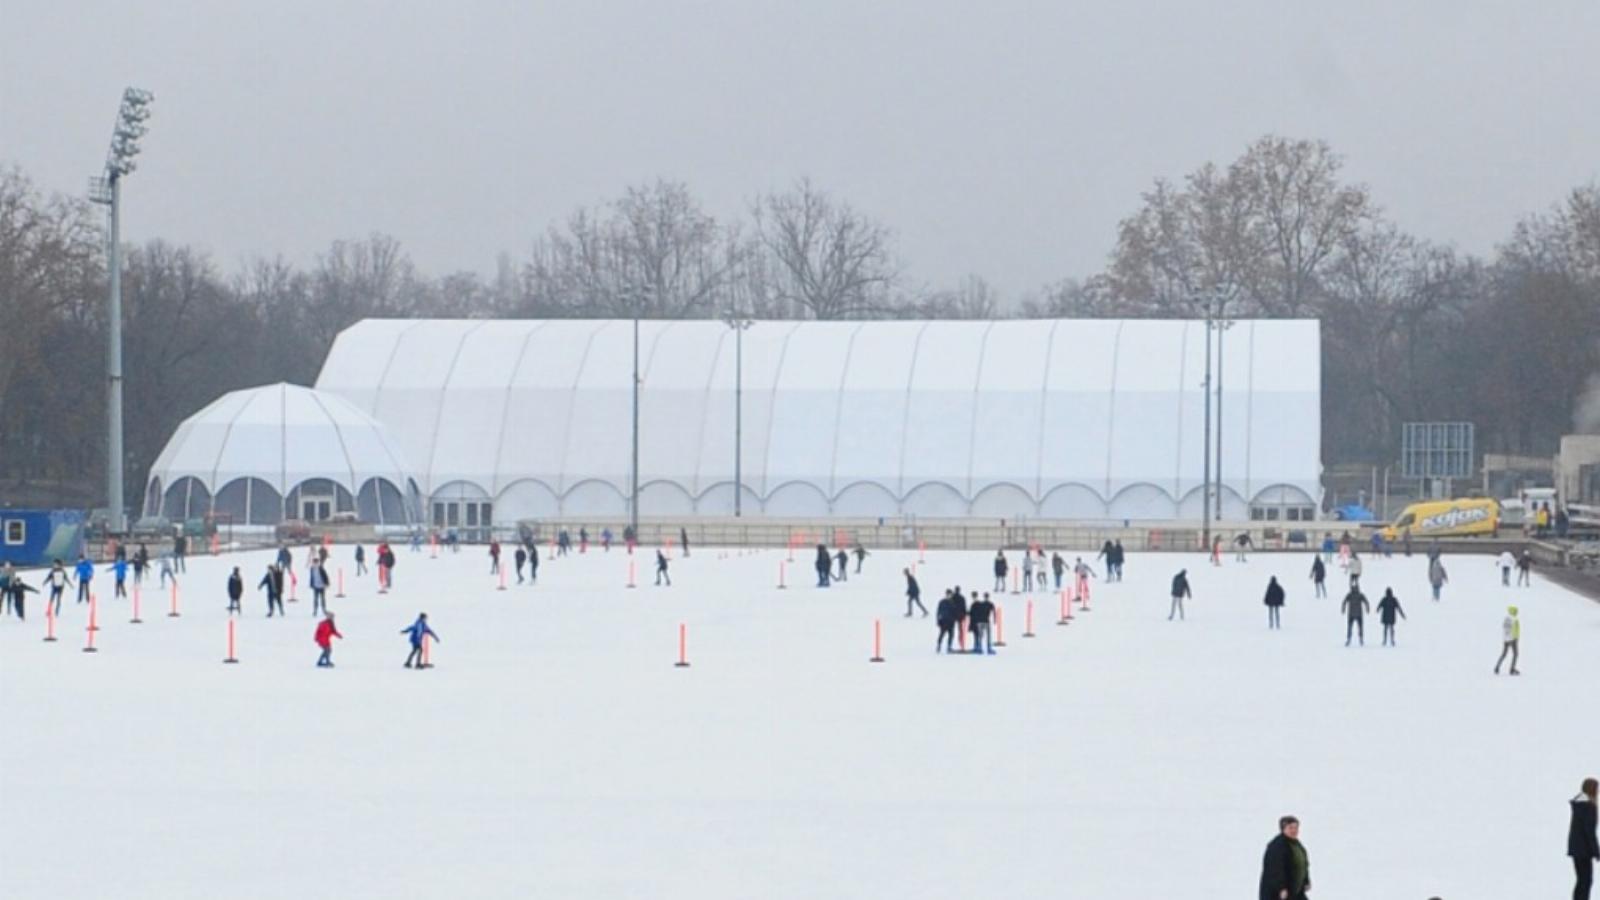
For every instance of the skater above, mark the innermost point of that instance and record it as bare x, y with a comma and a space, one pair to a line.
1241, 545
1216, 550
1319, 576
958, 603
418, 630
273, 582
1510, 635
1355, 608
326, 632
1274, 601
980, 613
180, 552
630, 537
58, 581
1405, 541
1059, 567
319, 589
605, 539
285, 558
843, 559
683, 536
17, 596
521, 559
1122, 556
1027, 570
235, 591
1328, 546
164, 568
946, 620
494, 557
1285, 869
533, 563
1353, 569
914, 595
661, 569
583, 541
386, 562
361, 560
1180, 590
85, 573
1506, 562
1000, 568
1388, 607
141, 561
563, 542
1108, 552
824, 566
1437, 576
1525, 568
1582, 845
1043, 569
861, 556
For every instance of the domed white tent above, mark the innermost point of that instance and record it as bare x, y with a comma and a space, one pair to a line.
281, 451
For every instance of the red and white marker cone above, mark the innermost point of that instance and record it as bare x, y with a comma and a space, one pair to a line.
877, 641
683, 647
231, 658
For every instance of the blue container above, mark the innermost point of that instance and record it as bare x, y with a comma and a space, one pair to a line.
36, 537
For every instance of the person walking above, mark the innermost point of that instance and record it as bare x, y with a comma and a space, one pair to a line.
945, 618
235, 591
326, 632
1180, 590
273, 582
361, 560
85, 573
1437, 577
1506, 562
1285, 867
58, 581
1388, 608
914, 595
1000, 569
1582, 844
1319, 576
1510, 636
661, 569
980, 613
824, 566
1355, 608
418, 630
319, 588
1274, 602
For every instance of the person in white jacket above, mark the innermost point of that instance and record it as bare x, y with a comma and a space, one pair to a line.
1510, 634
1506, 562
1353, 569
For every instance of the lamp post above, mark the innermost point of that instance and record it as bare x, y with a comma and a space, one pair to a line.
738, 323
1205, 493
107, 190
1221, 324
633, 504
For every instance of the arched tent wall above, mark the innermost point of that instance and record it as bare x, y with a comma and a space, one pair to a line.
1057, 418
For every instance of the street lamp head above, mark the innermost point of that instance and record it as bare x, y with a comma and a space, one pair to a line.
125, 134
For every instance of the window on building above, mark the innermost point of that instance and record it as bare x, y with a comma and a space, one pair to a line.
16, 532
1257, 514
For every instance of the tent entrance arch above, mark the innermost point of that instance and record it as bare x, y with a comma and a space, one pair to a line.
461, 505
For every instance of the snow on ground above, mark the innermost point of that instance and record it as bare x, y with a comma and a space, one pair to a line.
556, 752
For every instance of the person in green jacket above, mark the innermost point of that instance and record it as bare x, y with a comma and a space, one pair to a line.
1510, 634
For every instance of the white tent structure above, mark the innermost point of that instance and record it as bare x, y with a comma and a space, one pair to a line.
1069, 419
281, 451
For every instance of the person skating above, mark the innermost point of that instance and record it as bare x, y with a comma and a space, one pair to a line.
1285, 867
583, 541
1506, 562
7, 572
842, 559
17, 592
1122, 557
683, 536
285, 558
164, 569
563, 542
85, 573
1082, 573
386, 562
1319, 576
1241, 545
418, 630
521, 559
1510, 636
141, 561
914, 595
235, 591
661, 569
1353, 569
319, 589
824, 566
605, 540
273, 583
1058, 565
1000, 569
945, 618
361, 560
1027, 570
960, 605
1355, 608
980, 614
1525, 568
326, 632
1180, 590
1437, 577
1388, 608
1216, 550
1108, 552
1274, 601
180, 552
861, 556
533, 563
57, 580
1328, 546
1582, 845
494, 557
1043, 570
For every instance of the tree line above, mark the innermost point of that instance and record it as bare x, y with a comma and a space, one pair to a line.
1412, 329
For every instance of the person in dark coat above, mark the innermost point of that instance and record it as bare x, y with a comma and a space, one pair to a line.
1058, 566
1122, 557
1355, 607
914, 595
959, 605
861, 557
1582, 845
683, 535
843, 559
1274, 601
661, 569
361, 560
17, 593
1000, 569
824, 566
1388, 608
1319, 576
235, 591
1180, 590
521, 558
273, 582
533, 562
982, 638
1285, 867
945, 616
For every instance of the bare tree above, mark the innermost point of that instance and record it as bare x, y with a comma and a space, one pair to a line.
830, 261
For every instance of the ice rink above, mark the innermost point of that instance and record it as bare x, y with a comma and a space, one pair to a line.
555, 751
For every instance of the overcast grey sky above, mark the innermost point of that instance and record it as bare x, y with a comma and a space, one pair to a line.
999, 138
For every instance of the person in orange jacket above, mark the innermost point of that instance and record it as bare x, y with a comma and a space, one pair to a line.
326, 632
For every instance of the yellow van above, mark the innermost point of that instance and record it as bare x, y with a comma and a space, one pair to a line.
1446, 518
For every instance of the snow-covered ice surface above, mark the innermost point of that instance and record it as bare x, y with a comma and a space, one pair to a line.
556, 752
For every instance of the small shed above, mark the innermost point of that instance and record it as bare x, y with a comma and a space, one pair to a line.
35, 537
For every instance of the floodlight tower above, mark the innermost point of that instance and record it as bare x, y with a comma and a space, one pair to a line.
738, 322
107, 189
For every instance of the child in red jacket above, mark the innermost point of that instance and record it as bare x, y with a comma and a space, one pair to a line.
326, 632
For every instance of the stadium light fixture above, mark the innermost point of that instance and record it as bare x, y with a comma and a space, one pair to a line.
738, 322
